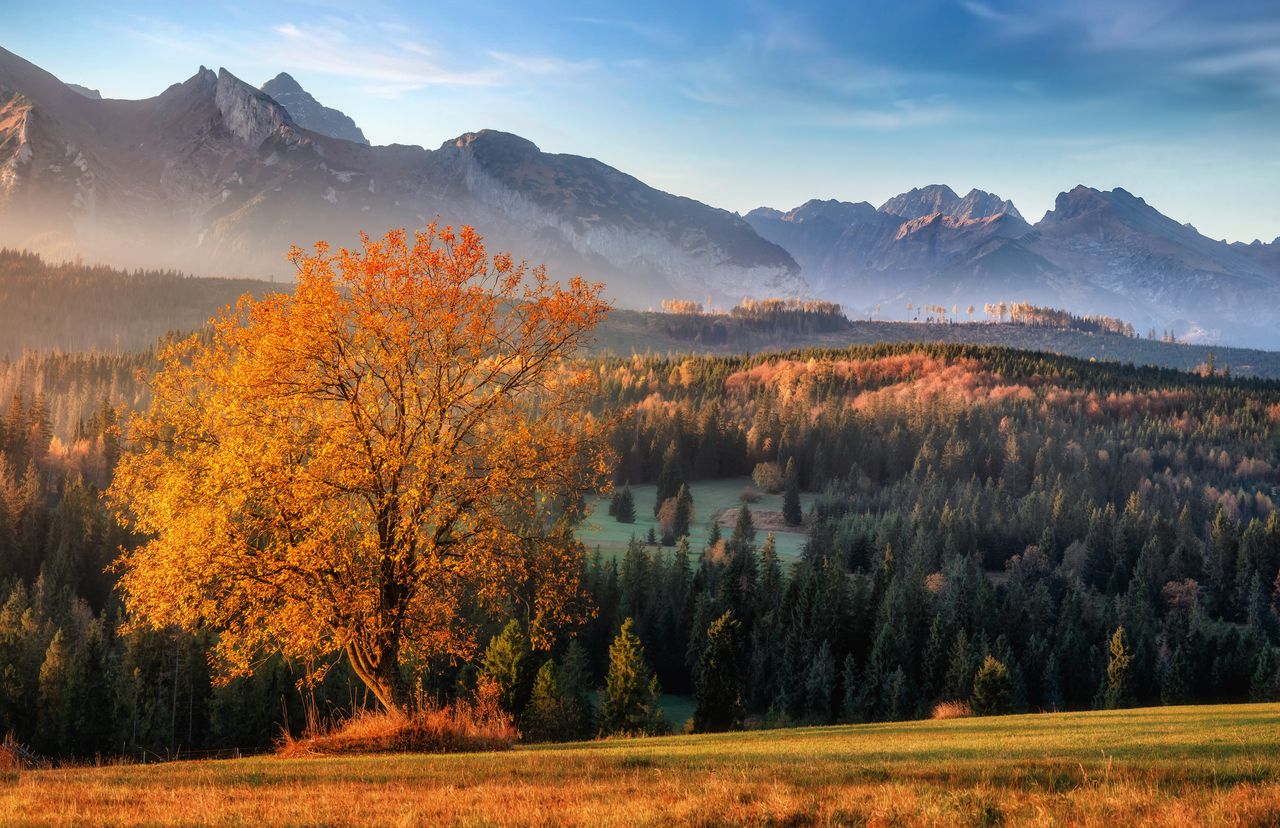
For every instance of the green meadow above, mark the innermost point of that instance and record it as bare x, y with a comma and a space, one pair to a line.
712, 499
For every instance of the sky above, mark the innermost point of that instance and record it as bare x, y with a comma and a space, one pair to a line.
744, 104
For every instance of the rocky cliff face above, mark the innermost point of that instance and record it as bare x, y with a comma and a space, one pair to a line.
309, 113
215, 177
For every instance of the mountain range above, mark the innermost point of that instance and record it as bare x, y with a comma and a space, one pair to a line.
216, 177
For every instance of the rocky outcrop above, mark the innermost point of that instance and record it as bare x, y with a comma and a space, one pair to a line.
309, 113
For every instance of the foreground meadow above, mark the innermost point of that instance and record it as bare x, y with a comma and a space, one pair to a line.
1160, 766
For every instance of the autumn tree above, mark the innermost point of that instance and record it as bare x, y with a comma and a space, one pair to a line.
350, 468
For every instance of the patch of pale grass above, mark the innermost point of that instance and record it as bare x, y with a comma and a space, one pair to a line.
456, 728
951, 710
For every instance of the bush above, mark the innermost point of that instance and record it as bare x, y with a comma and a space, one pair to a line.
767, 477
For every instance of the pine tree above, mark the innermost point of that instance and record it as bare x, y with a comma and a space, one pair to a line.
625, 507
849, 707
684, 513
991, 690
1120, 691
506, 662
52, 712
630, 702
1265, 685
720, 678
547, 717
671, 478
1175, 679
820, 683
791, 510
575, 687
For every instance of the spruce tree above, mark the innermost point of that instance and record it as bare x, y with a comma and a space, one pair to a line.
849, 706
506, 663
575, 687
721, 680
670, 479
791, 511
684, 513
1120, 691
1264, 686
546, 717
625, 507
630, 702
991, 690
820, 683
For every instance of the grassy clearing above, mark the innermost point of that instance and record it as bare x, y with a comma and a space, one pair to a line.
1164, 766
710, 497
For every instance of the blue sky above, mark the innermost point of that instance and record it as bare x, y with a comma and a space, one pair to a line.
741, 104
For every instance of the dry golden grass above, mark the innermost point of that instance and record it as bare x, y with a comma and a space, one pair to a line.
459, 728
1163, 767
951, 710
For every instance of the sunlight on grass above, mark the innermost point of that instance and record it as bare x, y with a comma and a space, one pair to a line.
1159, 766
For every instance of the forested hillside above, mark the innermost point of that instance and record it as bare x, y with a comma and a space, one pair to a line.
976, 502
74, 307
973, 502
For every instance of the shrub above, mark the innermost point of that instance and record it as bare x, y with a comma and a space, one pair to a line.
767, 477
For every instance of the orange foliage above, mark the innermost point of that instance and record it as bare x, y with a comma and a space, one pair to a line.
338, 470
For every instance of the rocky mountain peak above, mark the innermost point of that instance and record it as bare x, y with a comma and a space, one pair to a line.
309, 113
248, 114
980, 204
922, 201
839, 212
283, 84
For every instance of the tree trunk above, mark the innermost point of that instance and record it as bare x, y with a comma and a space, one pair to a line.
379, 669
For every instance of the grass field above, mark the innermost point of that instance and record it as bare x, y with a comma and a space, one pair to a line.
710, 497
1162, 766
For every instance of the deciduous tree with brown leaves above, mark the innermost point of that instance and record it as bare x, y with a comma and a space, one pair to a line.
353, 468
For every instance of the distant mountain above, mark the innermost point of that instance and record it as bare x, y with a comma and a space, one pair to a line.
1095, 252
861, 255
309, 113
939, 198
218, 178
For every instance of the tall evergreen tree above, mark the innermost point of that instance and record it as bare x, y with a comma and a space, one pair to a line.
991, 689
507, 664
721, 680
791, 511
1120, 681
630, 701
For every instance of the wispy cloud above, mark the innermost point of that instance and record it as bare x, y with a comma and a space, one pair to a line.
397, 67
